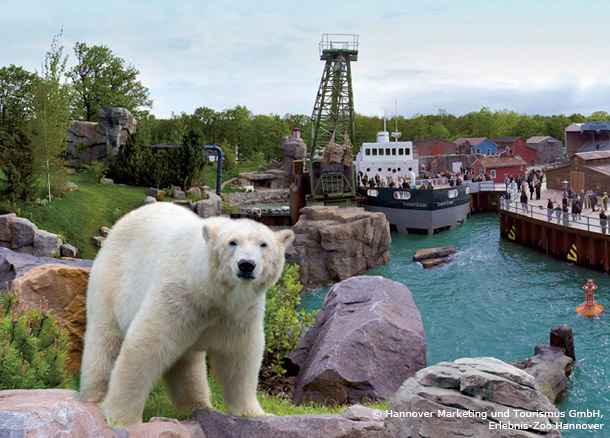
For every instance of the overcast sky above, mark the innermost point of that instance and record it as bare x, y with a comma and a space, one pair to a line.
550, 58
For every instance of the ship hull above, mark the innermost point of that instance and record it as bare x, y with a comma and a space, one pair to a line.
414, 210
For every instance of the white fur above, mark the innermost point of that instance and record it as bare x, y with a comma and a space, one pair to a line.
163, 291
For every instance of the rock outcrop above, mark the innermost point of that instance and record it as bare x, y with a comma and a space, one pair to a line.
471, 397
433, 257
50, 413
261, 196
212, 206
65, 290
333, 244
271, 179
21, 235
91, 141
368, 338
13, 264
358, 422
294, 148
60, 412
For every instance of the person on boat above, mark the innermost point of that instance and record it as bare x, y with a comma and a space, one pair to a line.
412, 177
603, 220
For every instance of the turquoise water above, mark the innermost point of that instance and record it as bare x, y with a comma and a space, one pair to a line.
500, 299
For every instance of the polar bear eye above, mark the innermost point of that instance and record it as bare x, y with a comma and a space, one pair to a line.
233, 242
264, 245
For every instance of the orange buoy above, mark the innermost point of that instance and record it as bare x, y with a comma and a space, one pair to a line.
590, 307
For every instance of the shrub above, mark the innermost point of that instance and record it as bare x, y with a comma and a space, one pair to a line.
33, 347
96, 171
285, 323
17, 165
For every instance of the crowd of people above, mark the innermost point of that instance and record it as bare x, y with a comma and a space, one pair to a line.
572, 203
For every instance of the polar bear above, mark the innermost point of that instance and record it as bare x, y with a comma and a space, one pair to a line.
166, 288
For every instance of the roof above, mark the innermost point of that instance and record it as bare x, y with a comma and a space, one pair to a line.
593, 155
601, 168
574, 127
473, 141
502, 161
505, 139
539, 139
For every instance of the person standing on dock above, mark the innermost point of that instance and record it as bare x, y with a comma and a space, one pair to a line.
593, 201
523, 200
605, 201
549, 208
566, 217
558, 213
603, 220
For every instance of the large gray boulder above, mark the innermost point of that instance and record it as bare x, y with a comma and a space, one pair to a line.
23, 232
13, 264
212, 206
356, 422
478, 397
368, 338
334, 243
46, 244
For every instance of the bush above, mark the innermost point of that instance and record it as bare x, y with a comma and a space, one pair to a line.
33, 347
96, 171
285, 323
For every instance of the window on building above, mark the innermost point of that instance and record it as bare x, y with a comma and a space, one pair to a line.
478, 150
492, 173
480, 171
368, 151
488, 151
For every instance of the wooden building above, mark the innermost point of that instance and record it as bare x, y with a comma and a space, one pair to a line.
518, 146
587, 137
477, 145
584, 171
549, 148
433, 146
498, 168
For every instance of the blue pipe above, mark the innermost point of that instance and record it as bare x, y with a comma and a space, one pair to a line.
219, 168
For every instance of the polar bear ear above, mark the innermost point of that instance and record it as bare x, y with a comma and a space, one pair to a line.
208, 231
285, 237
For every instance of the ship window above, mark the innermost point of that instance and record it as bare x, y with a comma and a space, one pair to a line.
407, 151
381, 151
379, 170
467, 190
368, 169
452, 193
389, 169
401, 151
399, 169
368, 152
374, 151
393, 151
387, 151
372, 192
402, 195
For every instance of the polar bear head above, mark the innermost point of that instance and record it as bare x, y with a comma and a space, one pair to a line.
242, 251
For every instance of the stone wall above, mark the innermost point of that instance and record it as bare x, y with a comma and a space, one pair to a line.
271, 179
262, 196
334, 243
90, 141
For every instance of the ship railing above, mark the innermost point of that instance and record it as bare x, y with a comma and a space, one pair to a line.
564, 218
491, 186
436, 182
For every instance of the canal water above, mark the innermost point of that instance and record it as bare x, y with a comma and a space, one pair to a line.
500, 299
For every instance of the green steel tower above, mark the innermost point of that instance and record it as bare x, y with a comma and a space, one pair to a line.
331, 169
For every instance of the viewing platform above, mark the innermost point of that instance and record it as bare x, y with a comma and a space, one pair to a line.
581, 239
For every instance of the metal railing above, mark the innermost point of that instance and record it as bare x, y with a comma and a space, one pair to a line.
564, 218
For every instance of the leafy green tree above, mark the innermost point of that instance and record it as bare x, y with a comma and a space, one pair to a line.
16, 90
17, 165
269, 131
438, 130
101, 79
51, 113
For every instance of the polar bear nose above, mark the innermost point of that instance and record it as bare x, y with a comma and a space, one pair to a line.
246, 266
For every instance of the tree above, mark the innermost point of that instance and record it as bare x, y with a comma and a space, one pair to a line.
16, 88
51, 113
17, 165
101, 79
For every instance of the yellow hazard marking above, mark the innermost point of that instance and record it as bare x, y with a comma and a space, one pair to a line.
511, 233
573, 253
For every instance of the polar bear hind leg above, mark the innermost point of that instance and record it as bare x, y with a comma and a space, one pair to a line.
187, 382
